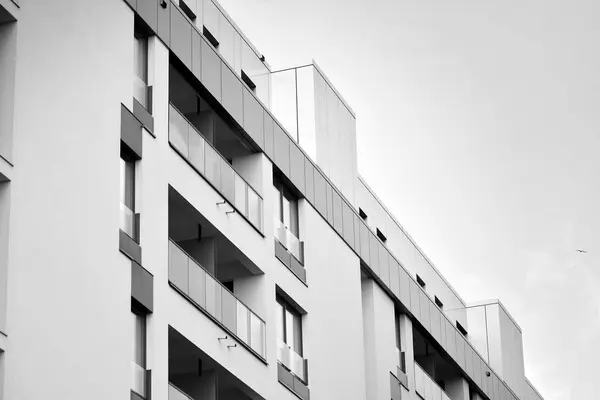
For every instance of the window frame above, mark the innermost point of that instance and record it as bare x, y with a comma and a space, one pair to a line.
287, 307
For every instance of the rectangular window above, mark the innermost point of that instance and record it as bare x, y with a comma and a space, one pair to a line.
397, 326
249, 82
138, 364
381, 236
286, 207
461, 329
421, 282
362, 214
438, 302
187, 10
289, 325
127, 194
211, 38
140, 69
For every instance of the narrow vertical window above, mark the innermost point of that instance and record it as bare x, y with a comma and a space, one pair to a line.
138, 385
140, 69
128, 197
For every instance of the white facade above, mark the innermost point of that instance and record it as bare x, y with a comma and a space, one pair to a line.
211, 238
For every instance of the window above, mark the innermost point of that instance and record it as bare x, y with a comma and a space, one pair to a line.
248, 82
397, 326
286, 207
438, 302
421, 282
187, 10
461, 328
211, 38
381, 236
289, 325
139, 352
362, 214
128, 196
140, 69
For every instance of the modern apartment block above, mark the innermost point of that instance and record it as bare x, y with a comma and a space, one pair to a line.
179, 221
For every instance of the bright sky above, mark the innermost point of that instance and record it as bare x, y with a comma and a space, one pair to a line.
479, 127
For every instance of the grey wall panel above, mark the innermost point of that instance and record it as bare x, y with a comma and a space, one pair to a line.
415, 293
269, 126
450, 339
231, 94
356, 234
132, 3
348, 224
181, 37
476, 369
496, 389
164, 20
211, 70
484, 377
297, 167
131, 131
424, 303
142, 286
129, 247
404, 281
436, 327
460, 350
320, 193
443, 330
309, 178
197, 54
148, 9
329, 194
365, 243
384, 264
394, 282
143, 116
338, 218
469, 359
374, 252
254, 119
282, 149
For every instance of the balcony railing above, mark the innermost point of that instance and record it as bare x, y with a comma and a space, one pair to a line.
190, 143
216, 300
177, 394
140, 90
138, 379
426, 387
289, 241
128, 221
292, 361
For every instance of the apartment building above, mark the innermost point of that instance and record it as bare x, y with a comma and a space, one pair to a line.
180, 221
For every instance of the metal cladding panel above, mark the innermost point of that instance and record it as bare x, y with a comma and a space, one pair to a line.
320, 194
131, 132
365, 243
142, 286
374, 252
476, 369
329, 193
424, 302
181, 37
348, 224
460, 350
404, 281
164, 20
211, 70
132, 3
269, 126
336, 202
443, 330
394, 280
469, 359
232, 97
415, 294
384, 264
254, 119
436, 327
309, 175
148, 10
484, 377
197, 54
450, 339
297, 160
282, 149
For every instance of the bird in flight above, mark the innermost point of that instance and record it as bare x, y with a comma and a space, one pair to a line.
580, 251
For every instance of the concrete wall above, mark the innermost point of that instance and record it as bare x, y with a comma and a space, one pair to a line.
8, 55
4, 240
68, 302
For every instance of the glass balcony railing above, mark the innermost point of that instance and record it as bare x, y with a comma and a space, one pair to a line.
177, 394
127, 221
215, 299
140, 90
190, 143
138, 379
292, 360
289, 240
401, 360
426, 387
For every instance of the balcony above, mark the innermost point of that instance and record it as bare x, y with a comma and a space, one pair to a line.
289, 241
128, 221
218, 172
292, 361
189, 277
426, 387
193, 375
138, 379
401, 367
